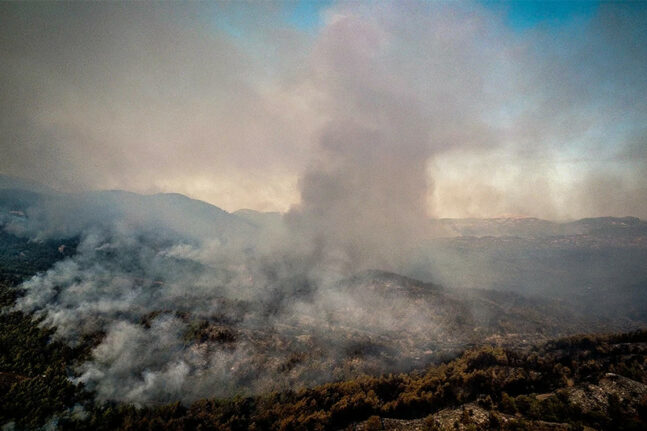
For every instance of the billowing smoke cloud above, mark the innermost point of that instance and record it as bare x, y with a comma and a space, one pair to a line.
185, 320
228, 106
363, 197
151, 98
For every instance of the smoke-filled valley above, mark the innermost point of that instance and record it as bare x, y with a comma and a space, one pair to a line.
185, 301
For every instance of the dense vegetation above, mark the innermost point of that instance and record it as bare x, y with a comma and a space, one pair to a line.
21, 258
34, 370
499, 379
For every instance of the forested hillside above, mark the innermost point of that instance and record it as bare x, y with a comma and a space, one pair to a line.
594, 381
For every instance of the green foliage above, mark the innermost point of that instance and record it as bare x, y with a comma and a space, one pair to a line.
507, 404
34, 383
21, 258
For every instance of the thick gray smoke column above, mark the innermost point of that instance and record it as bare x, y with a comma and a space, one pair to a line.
363, 197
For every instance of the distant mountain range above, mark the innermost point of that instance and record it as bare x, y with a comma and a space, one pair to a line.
197, 218
597, 264
34, 210
528, 227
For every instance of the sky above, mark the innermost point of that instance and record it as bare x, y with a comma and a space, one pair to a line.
411, 109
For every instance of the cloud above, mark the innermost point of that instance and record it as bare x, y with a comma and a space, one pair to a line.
234, 107
139, 97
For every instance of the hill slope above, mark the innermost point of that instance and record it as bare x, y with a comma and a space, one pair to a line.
46, 216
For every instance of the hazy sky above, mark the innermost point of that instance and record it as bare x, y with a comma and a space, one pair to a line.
461, 109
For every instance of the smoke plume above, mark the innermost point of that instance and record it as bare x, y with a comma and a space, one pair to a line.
360, 129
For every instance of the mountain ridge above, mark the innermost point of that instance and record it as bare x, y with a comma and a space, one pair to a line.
439, 227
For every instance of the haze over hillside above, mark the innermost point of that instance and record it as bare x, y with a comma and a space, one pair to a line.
194, 301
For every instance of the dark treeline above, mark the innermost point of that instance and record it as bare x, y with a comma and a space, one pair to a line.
21, 258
